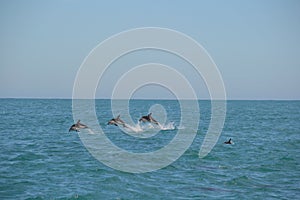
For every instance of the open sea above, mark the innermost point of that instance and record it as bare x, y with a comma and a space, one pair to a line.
40, 159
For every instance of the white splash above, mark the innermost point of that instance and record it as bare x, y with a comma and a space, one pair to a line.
146, 127
168, 126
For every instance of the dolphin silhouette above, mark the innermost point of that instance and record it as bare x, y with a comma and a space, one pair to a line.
228, 142
116, 121
76, 127
148, 118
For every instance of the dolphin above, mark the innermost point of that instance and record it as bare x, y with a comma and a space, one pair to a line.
76, 127
148, 118
228, 142
116, 121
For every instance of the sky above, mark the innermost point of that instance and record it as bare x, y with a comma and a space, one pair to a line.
255, 44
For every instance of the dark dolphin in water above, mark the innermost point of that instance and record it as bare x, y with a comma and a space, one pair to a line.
116, 121
76, 127
148, 118
228, 142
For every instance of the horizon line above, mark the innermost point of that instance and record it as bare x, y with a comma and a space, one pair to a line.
204, 99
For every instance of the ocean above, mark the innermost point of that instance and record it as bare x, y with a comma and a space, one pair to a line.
40, 159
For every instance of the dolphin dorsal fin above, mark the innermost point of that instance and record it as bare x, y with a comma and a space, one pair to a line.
78, 121
149, 115
118, 117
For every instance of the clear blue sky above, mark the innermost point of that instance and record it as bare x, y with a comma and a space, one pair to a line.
255, 44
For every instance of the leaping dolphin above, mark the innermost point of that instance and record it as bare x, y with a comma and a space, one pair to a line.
148, 118
228, 142
116, 121
76, 127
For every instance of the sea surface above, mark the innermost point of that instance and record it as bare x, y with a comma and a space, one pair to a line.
40, 159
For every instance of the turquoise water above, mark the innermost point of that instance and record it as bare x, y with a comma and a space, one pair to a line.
40, 159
